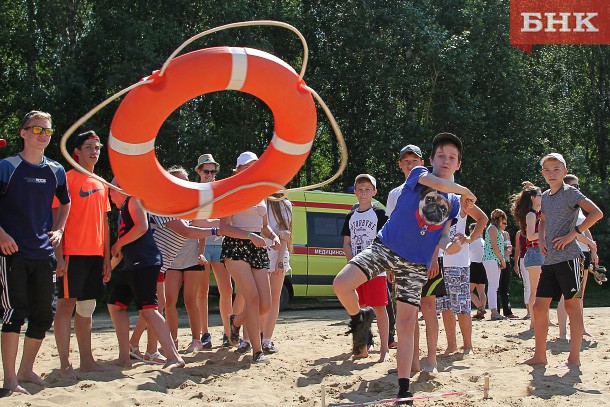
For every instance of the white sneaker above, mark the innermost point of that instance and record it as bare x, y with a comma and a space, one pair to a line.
194, 346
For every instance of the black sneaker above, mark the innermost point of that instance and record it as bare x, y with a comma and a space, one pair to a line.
206, 341
360, 330
269, 348
234, 337
244, 347
225, 341
404, 395
259, 357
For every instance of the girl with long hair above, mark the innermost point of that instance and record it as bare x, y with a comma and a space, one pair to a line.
526, 211
279, 214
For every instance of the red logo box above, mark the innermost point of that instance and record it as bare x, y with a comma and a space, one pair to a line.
559, 22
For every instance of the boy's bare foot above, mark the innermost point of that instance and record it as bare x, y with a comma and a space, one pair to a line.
468, 351
535, 360
362, 355
68, 373
383, 356
430, 369
567, 365
171, 364
10, 387
30, 377
450, 351
415, 367
122, 363
92, 367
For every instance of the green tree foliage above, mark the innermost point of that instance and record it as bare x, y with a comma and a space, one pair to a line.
392, 72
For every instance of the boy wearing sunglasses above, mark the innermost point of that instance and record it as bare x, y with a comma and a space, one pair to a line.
28, 183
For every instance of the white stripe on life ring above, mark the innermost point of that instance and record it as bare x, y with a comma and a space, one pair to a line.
206, 194
130, 148
289, 148
239, 68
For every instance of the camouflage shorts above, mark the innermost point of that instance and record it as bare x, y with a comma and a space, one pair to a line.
410, 277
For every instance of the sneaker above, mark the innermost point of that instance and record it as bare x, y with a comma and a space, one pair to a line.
206, 341
225, 341
259, 357
244, 347
360, 329
234, 337
269, 348
194, 346
404, 395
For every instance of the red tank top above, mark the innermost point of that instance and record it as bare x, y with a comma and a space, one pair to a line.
534, 243
522, 245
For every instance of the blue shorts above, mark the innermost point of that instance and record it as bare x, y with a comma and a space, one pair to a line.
533, 257
212, 252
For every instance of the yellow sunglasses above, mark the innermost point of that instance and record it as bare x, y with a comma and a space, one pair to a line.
38, 129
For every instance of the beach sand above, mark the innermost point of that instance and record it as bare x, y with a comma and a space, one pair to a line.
315, 352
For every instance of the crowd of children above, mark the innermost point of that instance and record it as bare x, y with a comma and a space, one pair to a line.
53, 221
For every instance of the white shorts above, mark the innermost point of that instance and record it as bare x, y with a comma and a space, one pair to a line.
273, 259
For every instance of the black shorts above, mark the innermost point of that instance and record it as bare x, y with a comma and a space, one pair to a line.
565, 278
26, 292
84, 278
139, 285
196, 267
435, 286
477, 273
244, 250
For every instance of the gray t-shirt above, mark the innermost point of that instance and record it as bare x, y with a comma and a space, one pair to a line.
560, 212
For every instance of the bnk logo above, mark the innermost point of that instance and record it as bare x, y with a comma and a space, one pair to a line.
559, 22
562, 22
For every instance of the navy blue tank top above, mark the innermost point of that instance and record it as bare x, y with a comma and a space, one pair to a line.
142, 252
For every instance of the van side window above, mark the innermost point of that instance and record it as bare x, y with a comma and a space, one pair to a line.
324, 229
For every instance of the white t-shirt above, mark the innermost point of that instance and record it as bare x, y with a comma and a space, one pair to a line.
476, 250
362, 228
461, 258
251, 219
579, 220
392, 199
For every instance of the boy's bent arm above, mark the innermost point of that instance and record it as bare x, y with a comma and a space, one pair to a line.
140, 226
593, 215
444, 185
481, 220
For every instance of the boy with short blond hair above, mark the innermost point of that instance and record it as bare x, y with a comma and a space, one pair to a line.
28, 182
359, 230
562, 272
405, 245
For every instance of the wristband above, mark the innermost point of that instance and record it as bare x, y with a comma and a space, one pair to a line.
214, 231
249, 233
577, 230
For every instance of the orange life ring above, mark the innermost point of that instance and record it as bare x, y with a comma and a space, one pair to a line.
140, 115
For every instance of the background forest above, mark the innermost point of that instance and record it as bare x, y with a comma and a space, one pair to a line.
392, 72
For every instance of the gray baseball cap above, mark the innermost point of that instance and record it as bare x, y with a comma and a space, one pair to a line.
410, 148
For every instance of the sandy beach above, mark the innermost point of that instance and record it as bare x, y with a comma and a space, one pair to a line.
315, 352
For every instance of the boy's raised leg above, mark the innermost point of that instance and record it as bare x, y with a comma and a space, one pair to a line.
344, 285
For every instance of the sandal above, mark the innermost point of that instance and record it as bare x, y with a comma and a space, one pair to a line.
598, 273
154, 358
234, 337
134, 353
